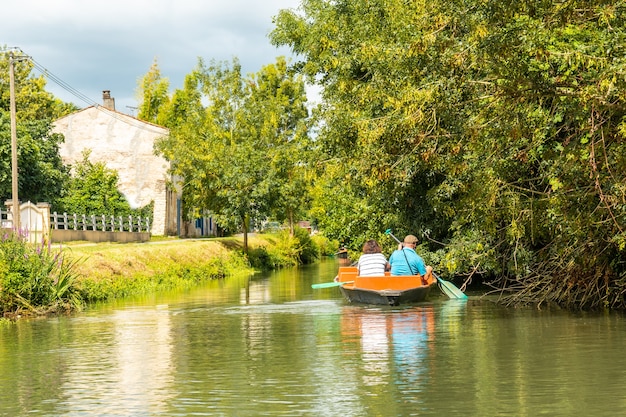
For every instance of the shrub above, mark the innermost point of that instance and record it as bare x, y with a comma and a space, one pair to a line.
325, 246
285, 250
307, 248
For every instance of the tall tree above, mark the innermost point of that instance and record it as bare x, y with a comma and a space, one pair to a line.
277, 108
233, 158
153, 94
386, 118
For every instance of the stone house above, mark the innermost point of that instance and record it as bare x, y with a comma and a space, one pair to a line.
126, 145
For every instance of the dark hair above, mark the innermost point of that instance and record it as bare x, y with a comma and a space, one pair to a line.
371, 246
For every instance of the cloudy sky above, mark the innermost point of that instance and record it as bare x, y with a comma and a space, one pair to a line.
93, 46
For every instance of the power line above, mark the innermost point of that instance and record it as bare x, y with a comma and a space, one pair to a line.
62, 83
90, 102
50, 75
46, 73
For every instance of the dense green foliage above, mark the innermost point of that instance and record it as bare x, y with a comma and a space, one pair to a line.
495, 130
42, 176
35, 279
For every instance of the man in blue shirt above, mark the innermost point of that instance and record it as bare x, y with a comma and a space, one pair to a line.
405, 261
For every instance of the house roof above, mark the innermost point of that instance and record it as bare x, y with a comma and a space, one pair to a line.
130, 120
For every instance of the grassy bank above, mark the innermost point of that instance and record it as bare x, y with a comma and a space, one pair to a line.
111, 270
108, 270
36, 279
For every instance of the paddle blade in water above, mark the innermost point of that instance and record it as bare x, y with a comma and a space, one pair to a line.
330, 284
450, 289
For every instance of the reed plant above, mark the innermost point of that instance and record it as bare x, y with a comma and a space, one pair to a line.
35, 278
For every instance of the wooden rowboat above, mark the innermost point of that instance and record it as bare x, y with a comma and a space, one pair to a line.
385, 290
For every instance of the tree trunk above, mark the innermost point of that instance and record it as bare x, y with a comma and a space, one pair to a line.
246, 223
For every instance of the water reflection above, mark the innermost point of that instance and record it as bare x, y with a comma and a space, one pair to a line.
130, 372
413, 337
145, 376
394, 342
272, 346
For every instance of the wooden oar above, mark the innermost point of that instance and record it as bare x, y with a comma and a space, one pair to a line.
446, 287
330, 284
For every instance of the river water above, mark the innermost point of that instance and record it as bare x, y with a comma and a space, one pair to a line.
269, 345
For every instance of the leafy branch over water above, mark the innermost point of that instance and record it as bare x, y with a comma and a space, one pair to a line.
495, 131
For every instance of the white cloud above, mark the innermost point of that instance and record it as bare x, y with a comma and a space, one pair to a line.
109, 45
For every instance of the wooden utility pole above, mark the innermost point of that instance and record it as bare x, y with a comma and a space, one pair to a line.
15, 209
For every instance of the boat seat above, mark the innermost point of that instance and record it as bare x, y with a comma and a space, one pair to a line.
349, 276
387, 282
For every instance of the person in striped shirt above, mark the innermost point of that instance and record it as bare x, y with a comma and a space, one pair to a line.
372, 262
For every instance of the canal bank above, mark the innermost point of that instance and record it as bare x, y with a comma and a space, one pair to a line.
108, 270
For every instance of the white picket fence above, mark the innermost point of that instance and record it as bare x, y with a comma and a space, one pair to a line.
101, 223
37, 222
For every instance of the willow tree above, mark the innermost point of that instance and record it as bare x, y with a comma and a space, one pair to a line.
238, 155
391, 114
494, 128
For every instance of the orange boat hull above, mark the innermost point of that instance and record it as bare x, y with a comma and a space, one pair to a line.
383, 290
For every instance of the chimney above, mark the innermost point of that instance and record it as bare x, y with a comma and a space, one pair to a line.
108, 101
